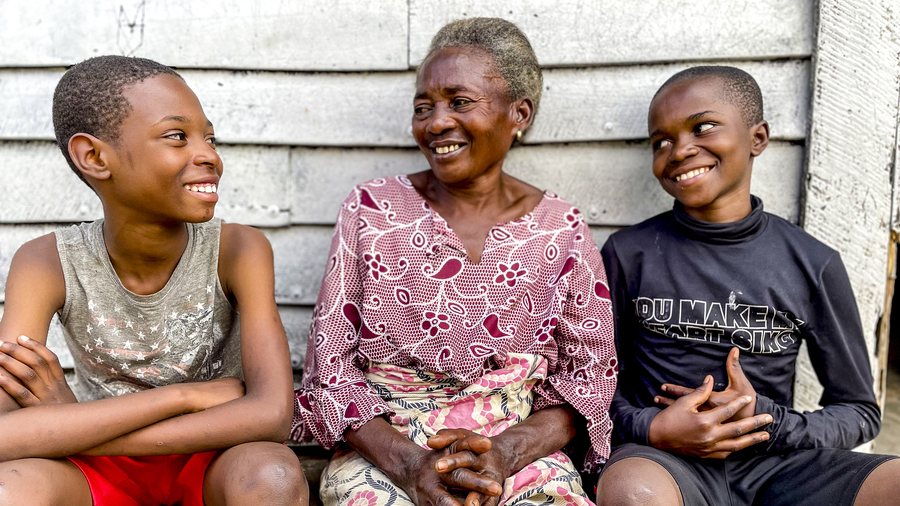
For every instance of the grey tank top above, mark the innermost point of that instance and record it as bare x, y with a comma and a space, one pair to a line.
123, 342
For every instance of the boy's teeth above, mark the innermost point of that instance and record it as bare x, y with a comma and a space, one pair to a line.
202, 188
692, 174
442, 150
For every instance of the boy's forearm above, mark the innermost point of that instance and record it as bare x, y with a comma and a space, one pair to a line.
239, 421
841, 425
58, 430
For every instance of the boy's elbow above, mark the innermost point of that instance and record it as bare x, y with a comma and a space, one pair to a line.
275, 421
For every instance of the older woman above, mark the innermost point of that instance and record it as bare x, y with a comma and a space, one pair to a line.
463, 328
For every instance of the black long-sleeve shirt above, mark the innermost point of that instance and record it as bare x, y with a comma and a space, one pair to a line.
685, 292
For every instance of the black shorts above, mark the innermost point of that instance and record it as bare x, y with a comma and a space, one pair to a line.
816, 477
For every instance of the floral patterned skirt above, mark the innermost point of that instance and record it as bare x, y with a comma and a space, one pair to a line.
425, 403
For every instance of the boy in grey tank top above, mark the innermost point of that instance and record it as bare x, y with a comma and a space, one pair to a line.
150, 298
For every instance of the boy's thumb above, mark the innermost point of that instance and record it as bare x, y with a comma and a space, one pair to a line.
701, 394
733, 367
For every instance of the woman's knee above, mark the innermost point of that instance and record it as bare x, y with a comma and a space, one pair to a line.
637, 481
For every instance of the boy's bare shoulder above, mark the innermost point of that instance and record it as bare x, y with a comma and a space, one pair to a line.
239, 240
35, 289
244, 253
39, 254
246, 266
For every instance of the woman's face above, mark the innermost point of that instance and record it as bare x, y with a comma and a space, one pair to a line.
462, 119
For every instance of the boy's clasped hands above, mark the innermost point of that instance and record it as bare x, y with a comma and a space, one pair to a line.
701, 422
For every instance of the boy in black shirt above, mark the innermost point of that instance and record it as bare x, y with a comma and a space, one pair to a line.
694, 287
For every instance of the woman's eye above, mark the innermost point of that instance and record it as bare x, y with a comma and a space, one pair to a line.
212, 142
702, 127
178, 136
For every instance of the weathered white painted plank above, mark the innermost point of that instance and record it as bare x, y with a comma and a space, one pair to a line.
610, 182
856, 84
573, 32
264, 34
601, 234
295, 319
374, 109
612, 103
39, 187
300, 256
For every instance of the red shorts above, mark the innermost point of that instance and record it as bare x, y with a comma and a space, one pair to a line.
142, 481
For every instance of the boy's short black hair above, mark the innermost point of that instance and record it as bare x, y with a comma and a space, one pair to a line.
89, 99
738, 88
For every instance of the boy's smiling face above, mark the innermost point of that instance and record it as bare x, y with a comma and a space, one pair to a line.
165, 161
702, 149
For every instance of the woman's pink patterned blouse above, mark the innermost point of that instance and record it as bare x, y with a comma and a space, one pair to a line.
399, 288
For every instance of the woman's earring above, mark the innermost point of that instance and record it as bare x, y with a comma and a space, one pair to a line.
519, 135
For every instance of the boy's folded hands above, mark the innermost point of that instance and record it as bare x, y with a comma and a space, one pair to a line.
738, 386
33, 374
690, 426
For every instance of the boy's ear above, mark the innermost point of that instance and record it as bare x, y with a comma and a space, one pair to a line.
91, 155
760, 137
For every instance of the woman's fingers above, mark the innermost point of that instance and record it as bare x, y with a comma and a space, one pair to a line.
455, 461
474, 443
473, 499
441, 497
467, 479
490, 501
446, 437
461, 439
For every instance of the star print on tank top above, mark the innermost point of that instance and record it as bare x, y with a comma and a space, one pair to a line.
123, 342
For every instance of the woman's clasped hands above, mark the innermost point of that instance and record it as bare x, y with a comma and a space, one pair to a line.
459, 460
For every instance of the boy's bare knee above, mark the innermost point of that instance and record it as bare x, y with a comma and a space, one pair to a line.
266, 473
637, 482
281, 478
38, 482
882, 486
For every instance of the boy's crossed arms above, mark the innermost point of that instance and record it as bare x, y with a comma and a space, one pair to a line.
153, 296
36, 290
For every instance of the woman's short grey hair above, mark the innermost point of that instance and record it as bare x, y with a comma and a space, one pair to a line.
506, 44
